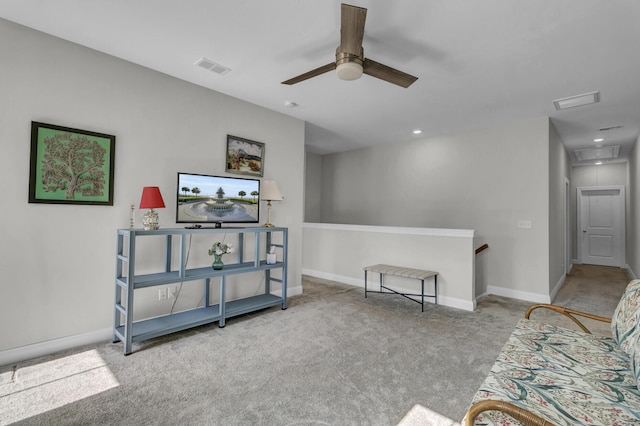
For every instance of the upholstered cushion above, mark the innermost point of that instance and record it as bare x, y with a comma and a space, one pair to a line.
564, 376
627, 316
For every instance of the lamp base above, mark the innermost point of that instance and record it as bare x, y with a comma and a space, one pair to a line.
268, 224
150, 220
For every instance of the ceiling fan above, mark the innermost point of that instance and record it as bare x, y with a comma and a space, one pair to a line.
350, 62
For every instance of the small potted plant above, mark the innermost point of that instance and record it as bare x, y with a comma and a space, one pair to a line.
217, 250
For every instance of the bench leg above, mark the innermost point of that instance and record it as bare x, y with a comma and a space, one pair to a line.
435, 287
422, 288
365, 284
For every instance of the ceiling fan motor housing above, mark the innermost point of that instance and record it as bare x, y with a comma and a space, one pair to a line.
348, 65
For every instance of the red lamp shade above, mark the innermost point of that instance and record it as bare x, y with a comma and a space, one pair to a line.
151, 198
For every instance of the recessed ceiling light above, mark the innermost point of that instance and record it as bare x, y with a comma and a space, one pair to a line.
578, 100
417, 131
598, 139
290, 104
598, 163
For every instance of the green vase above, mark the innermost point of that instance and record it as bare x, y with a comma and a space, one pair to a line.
217, 262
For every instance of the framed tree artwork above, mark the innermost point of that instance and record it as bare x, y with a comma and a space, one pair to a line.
244, 157
70, 166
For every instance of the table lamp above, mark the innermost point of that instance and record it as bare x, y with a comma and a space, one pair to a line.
151, 199
270, 192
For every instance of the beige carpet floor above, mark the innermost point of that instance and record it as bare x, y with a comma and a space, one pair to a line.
332, 358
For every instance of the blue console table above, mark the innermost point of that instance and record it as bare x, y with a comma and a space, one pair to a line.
127, 281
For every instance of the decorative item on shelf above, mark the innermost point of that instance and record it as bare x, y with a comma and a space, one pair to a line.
151, 199
217, 250
132, 216
271, 256
270, 192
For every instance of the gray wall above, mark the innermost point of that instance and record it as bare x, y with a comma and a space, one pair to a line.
57, 262
313, 188
486, 180
559, 170
633, 210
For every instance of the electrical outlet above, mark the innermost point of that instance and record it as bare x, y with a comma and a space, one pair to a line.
162, 293
172, 291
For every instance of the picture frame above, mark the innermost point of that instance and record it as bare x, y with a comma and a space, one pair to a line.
86, 179
244, 156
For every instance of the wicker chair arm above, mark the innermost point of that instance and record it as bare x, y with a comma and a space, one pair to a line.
568, 312
520, 414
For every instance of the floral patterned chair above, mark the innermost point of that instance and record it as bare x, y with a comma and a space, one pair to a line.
549, 375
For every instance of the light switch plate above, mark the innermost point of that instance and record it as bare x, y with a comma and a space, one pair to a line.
524, 224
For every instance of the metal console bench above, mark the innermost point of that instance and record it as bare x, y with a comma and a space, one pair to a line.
398, 271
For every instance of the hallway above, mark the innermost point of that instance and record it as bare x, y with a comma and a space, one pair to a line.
593, 289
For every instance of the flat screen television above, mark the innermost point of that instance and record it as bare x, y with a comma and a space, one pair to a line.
217, 199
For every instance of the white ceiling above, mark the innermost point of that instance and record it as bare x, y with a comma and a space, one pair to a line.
480, 63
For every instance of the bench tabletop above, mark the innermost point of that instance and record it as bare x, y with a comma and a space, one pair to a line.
400, 271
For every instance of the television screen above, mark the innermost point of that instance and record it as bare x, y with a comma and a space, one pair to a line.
211, 199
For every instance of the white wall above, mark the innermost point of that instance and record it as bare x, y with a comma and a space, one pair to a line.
340, 252
57, 262
485, 180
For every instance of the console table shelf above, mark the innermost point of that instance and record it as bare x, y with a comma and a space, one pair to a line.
155, 327
126, 281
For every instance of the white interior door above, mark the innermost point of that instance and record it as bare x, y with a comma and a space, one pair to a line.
601, 226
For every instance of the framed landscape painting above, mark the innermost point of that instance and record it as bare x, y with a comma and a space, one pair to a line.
70, 166
244, 157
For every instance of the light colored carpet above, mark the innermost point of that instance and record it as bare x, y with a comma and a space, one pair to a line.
332, 358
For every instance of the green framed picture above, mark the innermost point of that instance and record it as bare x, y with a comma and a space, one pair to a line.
70, 166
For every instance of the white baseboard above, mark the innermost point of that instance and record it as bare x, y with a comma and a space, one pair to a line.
442, 300
517, 294
558, 286
631, 273
333, 277
23, 353
291, 291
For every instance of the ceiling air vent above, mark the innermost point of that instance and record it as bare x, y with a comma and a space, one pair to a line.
212, 66
576, 101
604, 129
602, 153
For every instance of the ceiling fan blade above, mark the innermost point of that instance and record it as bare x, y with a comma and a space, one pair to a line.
392, 75
352, 29
310, 74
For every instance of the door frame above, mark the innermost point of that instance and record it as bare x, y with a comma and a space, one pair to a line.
621, 231
567, 226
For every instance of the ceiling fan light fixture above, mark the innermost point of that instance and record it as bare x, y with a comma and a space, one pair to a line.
349, 71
